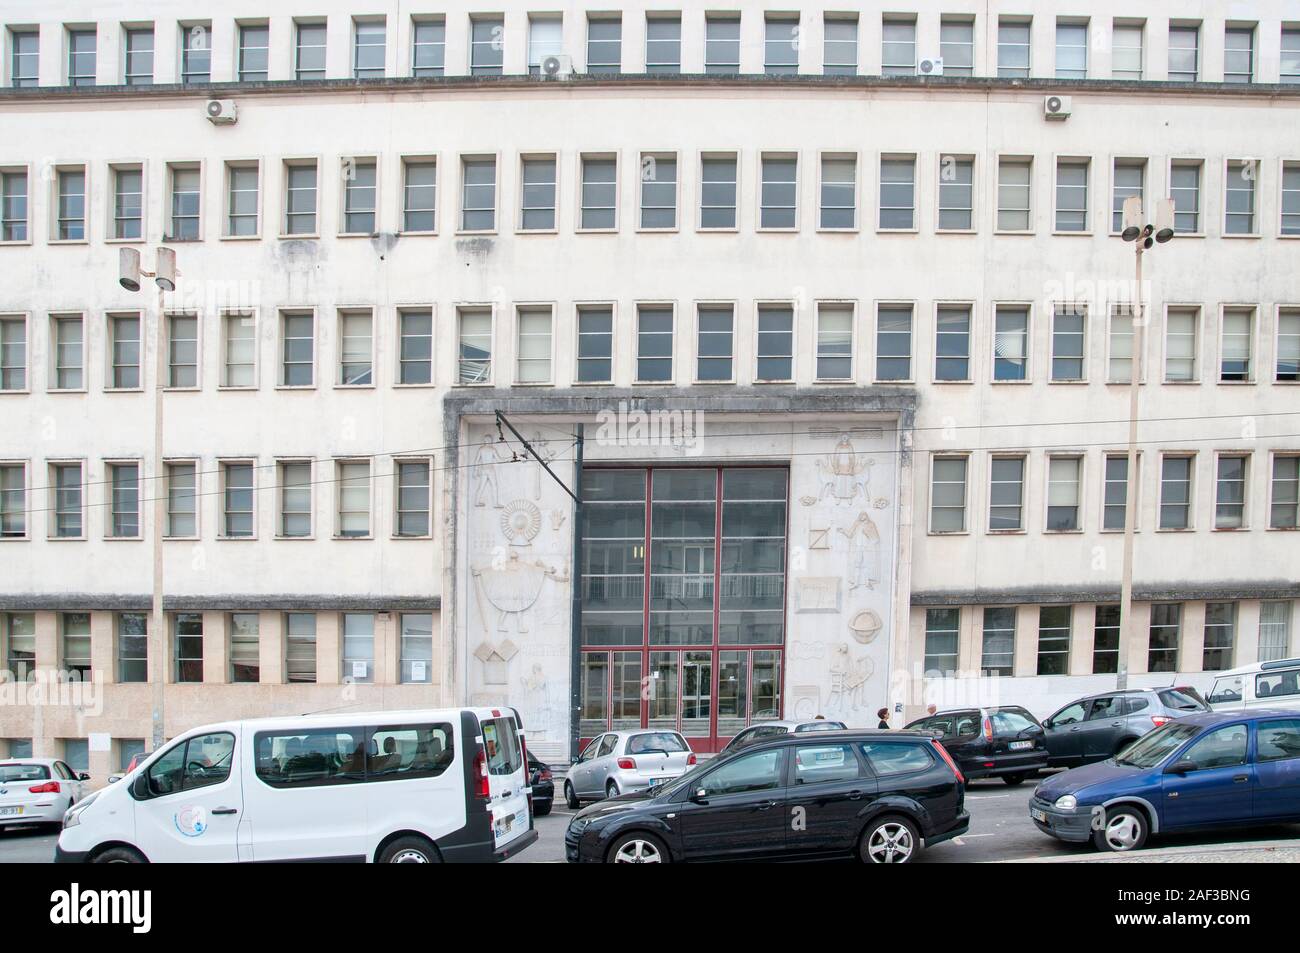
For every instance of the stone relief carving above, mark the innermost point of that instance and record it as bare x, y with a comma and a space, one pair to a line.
817, 594
864, 552
487, 459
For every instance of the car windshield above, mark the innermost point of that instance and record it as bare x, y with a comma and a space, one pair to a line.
1151, 749
23, 772
656, 742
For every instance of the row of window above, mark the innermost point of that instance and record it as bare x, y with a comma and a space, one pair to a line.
75, 752
839, 205
782, 51
1055, 636
357, 487
1064, 481
296, 646
1246, 344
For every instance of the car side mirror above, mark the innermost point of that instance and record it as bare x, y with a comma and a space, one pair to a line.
140, 787
83, 777
1182, 767
114, 778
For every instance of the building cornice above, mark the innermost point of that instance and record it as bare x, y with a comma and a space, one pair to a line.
222, 602
1187, 591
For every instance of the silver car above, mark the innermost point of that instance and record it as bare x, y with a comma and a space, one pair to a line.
771, 729
622, 762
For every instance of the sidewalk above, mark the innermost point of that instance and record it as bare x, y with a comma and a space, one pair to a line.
1247, 852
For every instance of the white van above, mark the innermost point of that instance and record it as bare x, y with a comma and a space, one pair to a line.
1260, 685
383, 787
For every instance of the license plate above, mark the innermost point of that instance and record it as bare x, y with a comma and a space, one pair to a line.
655, 782
1037, 815
1020, 745
10, 811
505, 823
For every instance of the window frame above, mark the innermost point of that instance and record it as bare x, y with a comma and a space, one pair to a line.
25, 506
1028, 376
935, 457
776, 156
281, 513
1255, 191
655, 156
1080, 461
224, 488
915, 161
342, 313
23, 170
655, 305
340, 486
1252, 340
229, 167
837, 304
591, 306
1196, 312
549, 308
224, 319
1248, 474
401, 311
466, 159
1192, 459
1274, 456
55, 510
111, 340
715, 156
286, 165
1022, 526
398, 463
1059, 160
521, 226
196, 510
475, 309
282, 316
111, 466
715, 304
348, 189
970, 309
405, 162
834, 156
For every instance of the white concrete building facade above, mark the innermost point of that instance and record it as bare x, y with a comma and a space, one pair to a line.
849, 342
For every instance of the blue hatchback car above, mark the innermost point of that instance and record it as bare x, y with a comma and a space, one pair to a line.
1207, 770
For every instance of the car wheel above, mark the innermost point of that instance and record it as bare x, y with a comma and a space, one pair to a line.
638, 848
889, 840
611, 789
570, 799
541, 810
1011, 780
1125, 829
119, 855
409, 850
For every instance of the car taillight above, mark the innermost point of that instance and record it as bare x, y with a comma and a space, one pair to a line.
545, 775
626, 764
1159, 720
943, 753
988, 729
481, 776
691, 759
49, 787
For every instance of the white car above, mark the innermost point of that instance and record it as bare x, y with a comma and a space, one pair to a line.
38, 791
1258, 685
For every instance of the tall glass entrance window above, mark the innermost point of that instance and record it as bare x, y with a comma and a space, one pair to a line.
683, 586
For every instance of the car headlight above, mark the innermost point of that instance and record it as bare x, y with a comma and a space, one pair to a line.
578, 825
73, 817
1066, 802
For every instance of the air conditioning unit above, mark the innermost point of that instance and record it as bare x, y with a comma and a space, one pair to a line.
1056, 107
221, 112
557, 66
930, 66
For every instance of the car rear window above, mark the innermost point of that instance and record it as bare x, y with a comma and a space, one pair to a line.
822, 726
656, 741
892, 757
23, 772
1011, 721
501, 742
1182, 699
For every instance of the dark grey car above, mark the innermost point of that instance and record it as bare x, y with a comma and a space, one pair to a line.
1101, 726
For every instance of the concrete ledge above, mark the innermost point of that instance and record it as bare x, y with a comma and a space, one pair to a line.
1150, 592
225, 602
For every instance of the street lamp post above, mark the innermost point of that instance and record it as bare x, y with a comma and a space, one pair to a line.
1143, 235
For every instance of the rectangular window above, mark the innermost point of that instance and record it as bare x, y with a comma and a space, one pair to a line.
663, 44
599, 192
942, 631
839, 192
13, 353
81, 57
1120, 363
295, 499
1115, 493
1007, 494
1290, 221
300, 647
128, 750
187, 646
956, 193
1013, 49
1176, 492
1054, 640
71, 223
1184, 53
721, 44
1069, 342
487, 45
1126, 42
545, 38
297, 349
353, 498
1238, 55
999, 654
309, 55
428, 48
132, 647
658, 192
24, 58
1105, 640
533, 348
1072, 195
1011, 343
185, 204
1290, 61
13, 206
239, 350
245, 650
182, 490
182, 350
13, 501
419, 195
952, 343
368, 43
241, 200
1185, 190
595, 344
1287, 364
898, 192
196, 53
478, 195
1237, 344
237, 500
840, 46
1129, 181
300, 199
69, 358
718, 192
1166, 627
254, 52
715, 347
1071, 50
358, 647
834, 342
780, 45
124, 500
957, 46
604, 45
416, 354
775, 353
537, 199
779, 200
20, 647
412, 498
1239, 199
898, 47
475, 346
1230, 491
654, 343
359, 188
417, 648
1180, 344
356, 348
1063, 496
1284, 508
1274, 630
74, 630
894, 342
948, 495
139, 57
124, 351
76, 752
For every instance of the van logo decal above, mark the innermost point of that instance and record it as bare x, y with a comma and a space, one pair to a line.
192, 821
